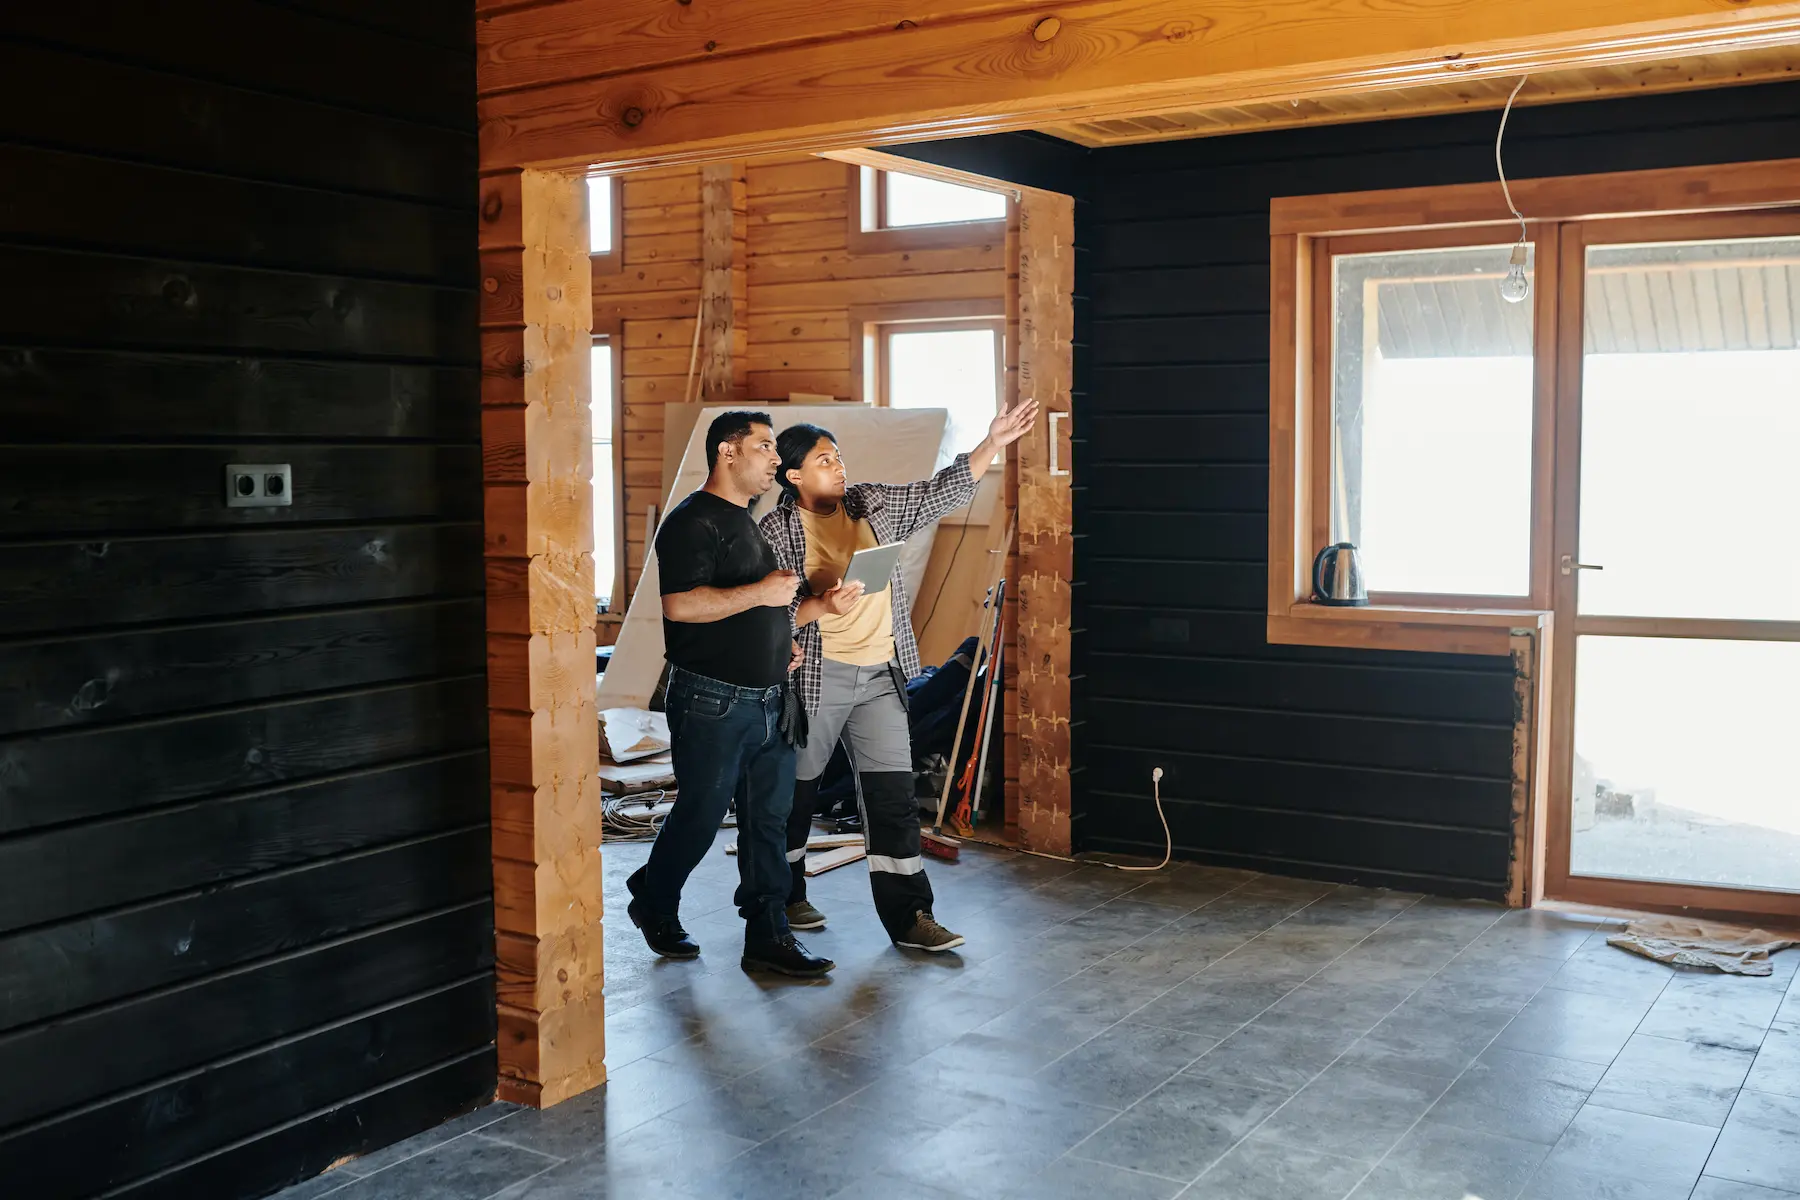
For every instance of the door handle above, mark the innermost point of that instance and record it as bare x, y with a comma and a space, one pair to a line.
1055, 467
1570, 566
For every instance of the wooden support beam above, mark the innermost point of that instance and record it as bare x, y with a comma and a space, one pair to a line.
543, 729
617, 82
724, 288
1531, 762
1046, 518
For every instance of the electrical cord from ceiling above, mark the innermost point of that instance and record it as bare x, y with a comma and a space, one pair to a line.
1499, 162
1517, 283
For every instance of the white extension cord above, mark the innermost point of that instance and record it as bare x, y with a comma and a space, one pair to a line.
1156, 775
1168, 838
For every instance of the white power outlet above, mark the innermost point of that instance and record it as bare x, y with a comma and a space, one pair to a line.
259, 485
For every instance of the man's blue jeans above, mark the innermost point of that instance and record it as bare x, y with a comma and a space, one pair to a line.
726, 744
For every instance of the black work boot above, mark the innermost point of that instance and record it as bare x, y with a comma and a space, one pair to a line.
785, 956
663, 934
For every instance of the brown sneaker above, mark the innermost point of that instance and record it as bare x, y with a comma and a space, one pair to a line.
927, 934
803, 916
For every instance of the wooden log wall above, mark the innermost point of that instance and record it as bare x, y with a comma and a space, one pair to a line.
650, 306
245, 915
537, 444
1046, 560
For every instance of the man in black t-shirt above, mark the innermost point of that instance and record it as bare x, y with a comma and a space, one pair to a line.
732, 716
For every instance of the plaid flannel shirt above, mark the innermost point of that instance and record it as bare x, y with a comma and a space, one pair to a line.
894, 511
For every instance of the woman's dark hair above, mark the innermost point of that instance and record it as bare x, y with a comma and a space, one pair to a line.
794, 444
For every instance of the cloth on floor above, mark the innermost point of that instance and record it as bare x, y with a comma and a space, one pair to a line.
1687, 943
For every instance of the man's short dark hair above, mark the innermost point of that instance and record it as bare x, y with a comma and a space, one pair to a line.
730, 427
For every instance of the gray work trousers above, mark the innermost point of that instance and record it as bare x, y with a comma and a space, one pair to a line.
866, 708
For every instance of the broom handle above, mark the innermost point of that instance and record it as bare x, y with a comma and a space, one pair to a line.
994, 685
987, 618
963, 816
963, 716
987, 736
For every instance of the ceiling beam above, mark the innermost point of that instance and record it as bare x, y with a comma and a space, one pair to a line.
971, 67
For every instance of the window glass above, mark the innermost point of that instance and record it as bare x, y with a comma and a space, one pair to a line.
912, 200
600, 214
954, 369
1431, 418
606, 497
1683, 772
1690, 427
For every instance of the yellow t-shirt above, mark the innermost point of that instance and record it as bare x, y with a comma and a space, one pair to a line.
864, 636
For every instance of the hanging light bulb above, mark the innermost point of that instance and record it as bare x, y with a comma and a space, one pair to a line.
1517, 284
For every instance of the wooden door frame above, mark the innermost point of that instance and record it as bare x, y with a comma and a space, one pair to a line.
537, 328
1535, 642
1559, 883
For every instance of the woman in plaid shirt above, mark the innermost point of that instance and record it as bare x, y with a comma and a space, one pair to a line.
859, 651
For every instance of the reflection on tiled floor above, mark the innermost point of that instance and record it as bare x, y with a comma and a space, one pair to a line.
1199, 1033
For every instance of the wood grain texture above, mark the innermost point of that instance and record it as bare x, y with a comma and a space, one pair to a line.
543, 727
64, 395
71, 585
987, 72
724, 203
106, 957
243, 801
1046, 521
530, 47
1774, 183
180, 121
229, 1013
1730, 67
244, 1097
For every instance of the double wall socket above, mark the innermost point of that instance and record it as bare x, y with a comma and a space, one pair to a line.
259, 485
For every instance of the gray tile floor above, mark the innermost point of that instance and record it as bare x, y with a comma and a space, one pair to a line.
1201, 1033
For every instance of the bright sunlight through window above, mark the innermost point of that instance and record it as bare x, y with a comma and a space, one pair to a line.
605, 494
915, 201
1431, 422
600, 213
954, 369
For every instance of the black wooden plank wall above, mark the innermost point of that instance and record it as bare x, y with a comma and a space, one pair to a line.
1383, 768
1389, 769
245, 923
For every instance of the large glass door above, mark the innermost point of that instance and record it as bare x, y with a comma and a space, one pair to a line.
1677, 581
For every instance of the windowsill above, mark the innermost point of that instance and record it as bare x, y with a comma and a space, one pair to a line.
1394, 627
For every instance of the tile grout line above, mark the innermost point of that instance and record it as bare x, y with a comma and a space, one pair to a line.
1221, 1041
1122, 949
847, 1101
1252, 1133
1498, 1034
